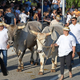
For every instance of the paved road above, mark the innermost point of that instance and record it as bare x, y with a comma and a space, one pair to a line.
76, 74
30, 72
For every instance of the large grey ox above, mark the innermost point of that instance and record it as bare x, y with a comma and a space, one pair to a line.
23, 39
48, 36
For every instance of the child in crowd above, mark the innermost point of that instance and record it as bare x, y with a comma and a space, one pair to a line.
53, 15
23, 17
68, 20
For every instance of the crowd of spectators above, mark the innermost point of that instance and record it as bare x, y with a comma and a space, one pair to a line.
13, 13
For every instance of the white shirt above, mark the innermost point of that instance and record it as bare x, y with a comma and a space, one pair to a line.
61, 3
54, 1
75, 31
3, 39
52, 15
68, 18
65, 44
23, 17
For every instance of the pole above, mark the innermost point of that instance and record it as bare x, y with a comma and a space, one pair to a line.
42, 11
63, 11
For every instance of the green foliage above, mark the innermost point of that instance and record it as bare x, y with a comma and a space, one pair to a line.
76, 3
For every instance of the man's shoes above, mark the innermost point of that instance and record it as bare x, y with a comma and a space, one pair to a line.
5, 74
3, 68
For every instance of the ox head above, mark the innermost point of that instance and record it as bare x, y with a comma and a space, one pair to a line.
13, 30
41, 39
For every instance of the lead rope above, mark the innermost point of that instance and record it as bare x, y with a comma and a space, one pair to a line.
51, 50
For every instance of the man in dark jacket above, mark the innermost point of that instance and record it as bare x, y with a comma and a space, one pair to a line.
10, 17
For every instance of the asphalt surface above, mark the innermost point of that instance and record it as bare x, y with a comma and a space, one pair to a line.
30, 72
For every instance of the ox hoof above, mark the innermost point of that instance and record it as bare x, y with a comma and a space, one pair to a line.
22, 67
40, 73
19, 70
55, 65
31, 62
53, 70
36, 63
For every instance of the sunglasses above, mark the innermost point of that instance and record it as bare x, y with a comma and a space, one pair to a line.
72, 20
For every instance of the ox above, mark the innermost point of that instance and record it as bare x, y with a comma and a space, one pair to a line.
48, 36
23, 39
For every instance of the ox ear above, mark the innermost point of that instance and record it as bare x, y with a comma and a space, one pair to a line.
6, 25
21, 27
34, 32
47, 34
54, 35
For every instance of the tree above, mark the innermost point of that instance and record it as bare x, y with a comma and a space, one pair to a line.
76, 3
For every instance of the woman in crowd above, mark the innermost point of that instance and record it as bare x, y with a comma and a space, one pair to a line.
35, 17
39, 14
68, 20
53, 14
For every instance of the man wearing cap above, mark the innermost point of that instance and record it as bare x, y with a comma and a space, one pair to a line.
3, 42
10, 17
75, 31
56, 21
66, 50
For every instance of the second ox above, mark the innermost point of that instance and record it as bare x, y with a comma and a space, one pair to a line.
45, 38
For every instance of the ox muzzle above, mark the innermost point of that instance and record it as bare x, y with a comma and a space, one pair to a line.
10, 42
39, 51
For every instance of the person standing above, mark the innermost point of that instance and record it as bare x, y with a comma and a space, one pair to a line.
3, 42
56, 21
68, 20
10, 17
23, 17
75, 31
66, 52
76, 12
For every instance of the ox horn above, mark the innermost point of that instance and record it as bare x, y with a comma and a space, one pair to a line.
34, 32
21, 27
47, 34
5, 24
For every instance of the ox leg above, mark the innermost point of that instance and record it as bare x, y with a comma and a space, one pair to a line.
53, 66
41, 55
32, 52
56, 61
37, 59
37, 56
21, 66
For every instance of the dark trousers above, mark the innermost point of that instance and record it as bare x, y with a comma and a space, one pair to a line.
4, 52
66, 59
3, 68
